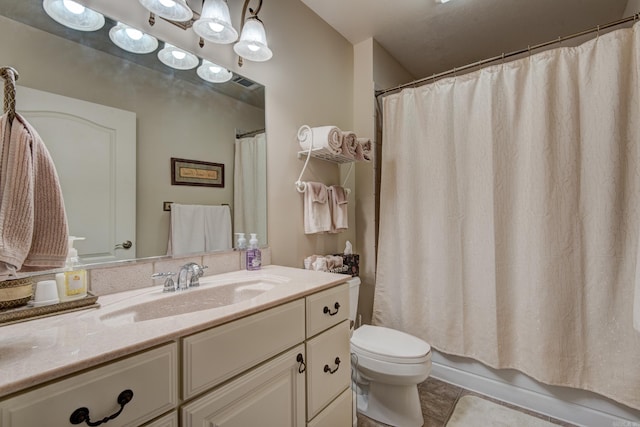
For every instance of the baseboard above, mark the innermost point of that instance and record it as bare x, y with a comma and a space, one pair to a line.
577, 407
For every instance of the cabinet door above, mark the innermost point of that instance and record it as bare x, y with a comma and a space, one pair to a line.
338, 413
272, 395
328, 367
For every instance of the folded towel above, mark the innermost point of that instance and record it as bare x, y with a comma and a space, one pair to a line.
364, 150
338, 201
33, 222
349, 144
327, 137
317, 213
334, 261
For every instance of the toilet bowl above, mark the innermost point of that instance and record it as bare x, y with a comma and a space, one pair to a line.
388, 365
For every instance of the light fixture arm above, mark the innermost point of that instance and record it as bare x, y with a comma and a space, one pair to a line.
254, 14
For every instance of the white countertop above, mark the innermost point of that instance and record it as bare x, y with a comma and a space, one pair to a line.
41, 350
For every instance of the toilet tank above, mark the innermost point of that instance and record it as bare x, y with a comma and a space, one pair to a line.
354, 290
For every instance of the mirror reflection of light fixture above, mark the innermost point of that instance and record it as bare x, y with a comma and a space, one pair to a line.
213, 73
215, 23
132, 39
73, 15
173, 10
177, 58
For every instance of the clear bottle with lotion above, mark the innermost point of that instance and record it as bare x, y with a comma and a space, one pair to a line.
72, 283
253, 254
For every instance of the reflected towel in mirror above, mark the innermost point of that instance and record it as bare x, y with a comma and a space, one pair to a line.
199, 228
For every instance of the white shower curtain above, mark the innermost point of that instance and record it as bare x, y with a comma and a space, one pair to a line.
510, 213
250, 187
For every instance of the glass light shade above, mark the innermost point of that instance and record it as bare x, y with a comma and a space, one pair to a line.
253, 42
177, 58
73, 15
215, 23
132, 40
174, 10
213, 73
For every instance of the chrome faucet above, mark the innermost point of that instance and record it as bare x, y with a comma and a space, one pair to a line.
189, 276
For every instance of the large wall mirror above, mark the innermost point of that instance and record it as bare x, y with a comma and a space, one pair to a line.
175, 114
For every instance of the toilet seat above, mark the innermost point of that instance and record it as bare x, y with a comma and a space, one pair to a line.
389, 345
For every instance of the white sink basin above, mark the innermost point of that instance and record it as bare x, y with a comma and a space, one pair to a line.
210, 294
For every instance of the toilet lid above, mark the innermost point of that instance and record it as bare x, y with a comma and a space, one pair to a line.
388, 344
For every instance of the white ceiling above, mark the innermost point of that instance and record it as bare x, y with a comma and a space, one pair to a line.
428, 37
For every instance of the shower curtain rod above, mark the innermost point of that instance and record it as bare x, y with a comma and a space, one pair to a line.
503, 56
251, 133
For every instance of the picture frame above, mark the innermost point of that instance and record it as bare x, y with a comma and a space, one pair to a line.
196, 173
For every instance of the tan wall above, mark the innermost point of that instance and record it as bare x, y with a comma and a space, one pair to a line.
633, 6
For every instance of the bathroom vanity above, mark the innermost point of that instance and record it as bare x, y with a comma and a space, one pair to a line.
263, 348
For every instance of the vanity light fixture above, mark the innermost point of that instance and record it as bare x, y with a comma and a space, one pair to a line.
173, 10
213, 73
442, 1
73, 15
177, 58
132, 39
214, 23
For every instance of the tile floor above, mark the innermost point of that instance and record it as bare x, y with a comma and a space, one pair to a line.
438, 400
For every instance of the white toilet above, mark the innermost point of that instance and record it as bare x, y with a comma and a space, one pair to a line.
388, 367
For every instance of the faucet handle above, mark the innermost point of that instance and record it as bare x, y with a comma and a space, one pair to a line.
169, 285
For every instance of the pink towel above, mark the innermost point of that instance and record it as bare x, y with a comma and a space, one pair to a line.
33, 223
338, 203
364, 150
349, 144
317, 213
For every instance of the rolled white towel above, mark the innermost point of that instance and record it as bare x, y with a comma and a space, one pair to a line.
364, 150
328, 137
349, 144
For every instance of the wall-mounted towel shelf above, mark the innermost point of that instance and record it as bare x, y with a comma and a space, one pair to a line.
324, 154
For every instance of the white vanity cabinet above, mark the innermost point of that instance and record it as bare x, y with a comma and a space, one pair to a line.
284, 366
152, 377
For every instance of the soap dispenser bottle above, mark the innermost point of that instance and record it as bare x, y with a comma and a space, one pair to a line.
253, 254
72, 282
242, 242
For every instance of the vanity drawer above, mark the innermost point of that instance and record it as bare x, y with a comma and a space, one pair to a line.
327, 308
152, 376
213, 356
326, 376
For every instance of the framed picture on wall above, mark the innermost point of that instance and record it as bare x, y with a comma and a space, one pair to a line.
197, 173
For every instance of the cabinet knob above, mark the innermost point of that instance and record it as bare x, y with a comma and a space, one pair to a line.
327, 310
81, 415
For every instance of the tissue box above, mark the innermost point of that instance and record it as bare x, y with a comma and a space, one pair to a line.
350, 264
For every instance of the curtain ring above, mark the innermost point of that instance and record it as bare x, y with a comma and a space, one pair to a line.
502, 58
597, 32
455, 72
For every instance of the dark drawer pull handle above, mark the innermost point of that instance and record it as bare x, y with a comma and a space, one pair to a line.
81, 415
333, 371
327, 310
303, 366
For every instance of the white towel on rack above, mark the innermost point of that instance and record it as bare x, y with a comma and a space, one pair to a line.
349, 144
199, 228
317, 213
327, 137
338, 200
217, 228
